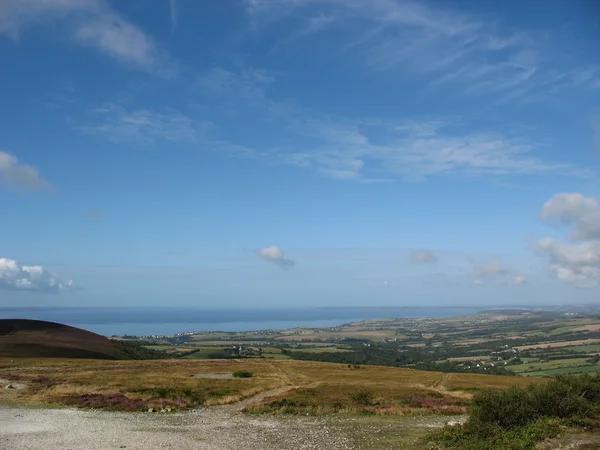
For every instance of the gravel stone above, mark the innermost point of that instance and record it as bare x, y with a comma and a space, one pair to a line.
202, 429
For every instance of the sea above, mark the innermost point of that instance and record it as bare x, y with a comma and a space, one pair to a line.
171, 321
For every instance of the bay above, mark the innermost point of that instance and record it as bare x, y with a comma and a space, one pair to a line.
168, 321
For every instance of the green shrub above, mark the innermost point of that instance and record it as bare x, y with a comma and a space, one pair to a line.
517, 418
523, 438
506, 410
586, 385
243, 374
558, 399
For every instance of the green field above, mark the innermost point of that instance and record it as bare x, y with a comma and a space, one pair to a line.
318, 350
208, 353
550, 365
273, 353
593, 348
168, 347
559, 330
563, 371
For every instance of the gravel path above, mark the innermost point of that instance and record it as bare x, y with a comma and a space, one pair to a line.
204, 429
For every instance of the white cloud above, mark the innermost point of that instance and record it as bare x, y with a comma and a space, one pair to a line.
16, 175
450, 47
275, 255
575, 208
92, 23
577, 263
14, 276
118, 38
497, 272
520, 280
423, 256
144, 126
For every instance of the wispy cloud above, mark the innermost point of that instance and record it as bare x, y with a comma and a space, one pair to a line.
174, 9
596, 129
16, 175
92, 23
497, 272
370, 151
423, 256
373, 150
143, 126
14, 276
450, 47
116, 37
248, 85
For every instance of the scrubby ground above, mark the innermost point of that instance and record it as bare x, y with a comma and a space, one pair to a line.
307, 387
283, 404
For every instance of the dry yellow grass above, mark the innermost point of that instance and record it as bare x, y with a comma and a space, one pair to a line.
469, 382
334, 388
317, 385
58, 381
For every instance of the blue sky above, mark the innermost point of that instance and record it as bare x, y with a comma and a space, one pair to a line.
299, 152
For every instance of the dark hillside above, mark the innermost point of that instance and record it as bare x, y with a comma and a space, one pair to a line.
21, 338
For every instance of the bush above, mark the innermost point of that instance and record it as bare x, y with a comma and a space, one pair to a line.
558, 399
507, 410
519, 417
243, 374
586, 385
503, 410
135, 350
523, 438
363, 397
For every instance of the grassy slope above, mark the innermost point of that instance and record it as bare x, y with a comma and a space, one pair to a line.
21, 338
316, 384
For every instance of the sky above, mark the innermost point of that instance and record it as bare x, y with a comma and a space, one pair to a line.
285, 153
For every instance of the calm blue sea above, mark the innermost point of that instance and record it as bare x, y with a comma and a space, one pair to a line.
169, 321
